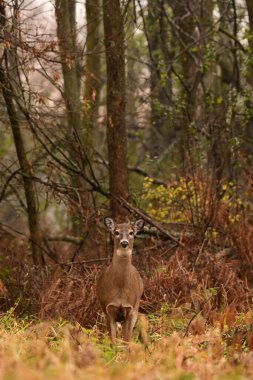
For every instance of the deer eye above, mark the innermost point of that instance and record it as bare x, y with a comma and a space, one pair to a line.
131, 233
117, 233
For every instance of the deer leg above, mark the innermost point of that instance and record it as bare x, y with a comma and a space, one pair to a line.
127, 332
112, 328
129, 325
111, 322
113, 331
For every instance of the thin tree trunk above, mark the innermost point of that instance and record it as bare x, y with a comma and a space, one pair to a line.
30, 192
249, 127
27, 174
66, 33
75, 134
249, 4
116, 128
186, 27
160, 83
132, 71
92, 68
221, 132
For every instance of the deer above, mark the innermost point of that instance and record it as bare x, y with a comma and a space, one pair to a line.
120, 286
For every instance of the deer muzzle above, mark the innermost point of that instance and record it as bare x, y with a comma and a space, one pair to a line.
124, 244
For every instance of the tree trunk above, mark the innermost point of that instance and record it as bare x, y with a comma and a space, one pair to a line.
92, 69
131, 71
30, 192
75, 135
249, 4
26, 170
160, 81
116, 128
220, 130
249, 127
66, 33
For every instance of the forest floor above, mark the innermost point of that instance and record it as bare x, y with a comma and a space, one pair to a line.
174, 347
197, 320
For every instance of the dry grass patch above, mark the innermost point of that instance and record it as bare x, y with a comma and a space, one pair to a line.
30, 349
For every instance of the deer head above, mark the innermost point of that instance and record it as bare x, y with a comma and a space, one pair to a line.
123, 235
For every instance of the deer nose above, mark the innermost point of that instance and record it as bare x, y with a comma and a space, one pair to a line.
124, 243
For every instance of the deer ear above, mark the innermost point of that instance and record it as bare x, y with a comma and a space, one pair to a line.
138, 225
109, 223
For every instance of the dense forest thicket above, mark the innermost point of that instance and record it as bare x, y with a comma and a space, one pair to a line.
138, 108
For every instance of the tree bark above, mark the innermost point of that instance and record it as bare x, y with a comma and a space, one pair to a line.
116, 128
30, 192
186, 29
66, 38
249, 127
76, 136
249, 4
221, 132
132, 71
160, 81
92, 68
26, 169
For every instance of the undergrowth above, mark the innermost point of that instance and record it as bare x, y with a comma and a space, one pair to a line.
196, 303
194, 199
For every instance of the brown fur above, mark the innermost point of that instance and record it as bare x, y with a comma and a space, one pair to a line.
119, 288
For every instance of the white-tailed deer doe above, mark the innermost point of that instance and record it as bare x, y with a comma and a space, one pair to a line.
119, 288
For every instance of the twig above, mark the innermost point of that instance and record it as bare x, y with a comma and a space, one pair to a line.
233, 38
205, 240
195, 315
142, 172
9, 179
66, 238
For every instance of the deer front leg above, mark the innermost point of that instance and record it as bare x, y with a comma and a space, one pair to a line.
111, 322
129, 325
113, 331
112, 328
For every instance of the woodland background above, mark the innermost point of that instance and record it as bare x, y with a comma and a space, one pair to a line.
129, 109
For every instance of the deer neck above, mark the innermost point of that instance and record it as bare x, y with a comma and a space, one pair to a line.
122, 258
121, 267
